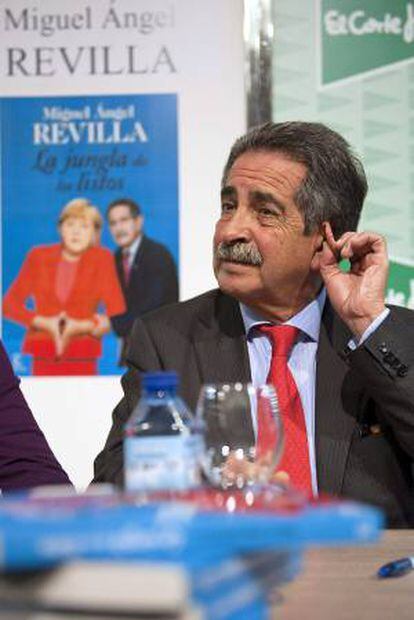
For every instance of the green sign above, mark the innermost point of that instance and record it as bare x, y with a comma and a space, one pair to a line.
401, 284
362, 35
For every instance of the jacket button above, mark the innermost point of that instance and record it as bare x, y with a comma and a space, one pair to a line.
383, 347
402, 370
389, 358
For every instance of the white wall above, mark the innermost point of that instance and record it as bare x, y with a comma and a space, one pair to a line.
74, 413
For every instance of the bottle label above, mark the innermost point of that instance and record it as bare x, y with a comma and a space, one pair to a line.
162, 463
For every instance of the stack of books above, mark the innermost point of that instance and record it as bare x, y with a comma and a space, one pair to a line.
118, 557
98, 590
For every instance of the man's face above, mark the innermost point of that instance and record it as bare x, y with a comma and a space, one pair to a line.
124, 228
261, 255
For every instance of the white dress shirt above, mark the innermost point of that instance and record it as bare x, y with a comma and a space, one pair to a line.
133, 249
302, 359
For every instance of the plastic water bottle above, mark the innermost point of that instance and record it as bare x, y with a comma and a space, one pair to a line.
161, 445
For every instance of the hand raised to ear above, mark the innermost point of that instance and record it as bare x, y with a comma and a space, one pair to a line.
358, 296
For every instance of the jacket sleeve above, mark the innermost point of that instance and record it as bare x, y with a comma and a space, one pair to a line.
385, 361
26, 459
111, 292
170, 281
14, 301
156, 286
161, 280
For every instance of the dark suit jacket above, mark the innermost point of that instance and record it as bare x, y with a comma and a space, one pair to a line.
364, 399
152, 283
25, 458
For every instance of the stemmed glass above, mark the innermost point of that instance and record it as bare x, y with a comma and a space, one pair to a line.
232, 416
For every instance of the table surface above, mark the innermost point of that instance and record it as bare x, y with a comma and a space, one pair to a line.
341, 583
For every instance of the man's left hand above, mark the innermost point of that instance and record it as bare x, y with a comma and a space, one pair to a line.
358, 296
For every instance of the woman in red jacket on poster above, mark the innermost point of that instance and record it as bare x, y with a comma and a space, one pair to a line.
67, 282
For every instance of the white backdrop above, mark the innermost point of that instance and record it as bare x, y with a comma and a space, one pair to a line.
205, 43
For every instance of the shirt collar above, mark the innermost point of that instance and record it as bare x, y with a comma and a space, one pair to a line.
308, 320
133, 248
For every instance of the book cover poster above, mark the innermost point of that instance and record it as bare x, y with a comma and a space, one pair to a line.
59, 154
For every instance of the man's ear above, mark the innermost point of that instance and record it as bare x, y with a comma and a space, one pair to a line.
319, 239
318, 247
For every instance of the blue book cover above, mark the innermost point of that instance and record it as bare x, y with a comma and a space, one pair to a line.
35, 534
99, 148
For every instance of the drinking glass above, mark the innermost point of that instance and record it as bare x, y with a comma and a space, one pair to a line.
232, 417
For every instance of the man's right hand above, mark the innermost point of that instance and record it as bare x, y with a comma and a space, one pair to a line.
358, 295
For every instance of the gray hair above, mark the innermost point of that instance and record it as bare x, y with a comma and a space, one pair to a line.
335, 185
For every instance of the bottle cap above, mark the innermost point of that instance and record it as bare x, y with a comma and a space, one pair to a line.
154, 381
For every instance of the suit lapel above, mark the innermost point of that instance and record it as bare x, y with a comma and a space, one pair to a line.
120, 269
137, 258
51, 262
334, 425
222, 357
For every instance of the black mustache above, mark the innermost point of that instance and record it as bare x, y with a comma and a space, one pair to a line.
239, 252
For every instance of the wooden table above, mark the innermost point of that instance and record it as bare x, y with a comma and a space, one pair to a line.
341, 584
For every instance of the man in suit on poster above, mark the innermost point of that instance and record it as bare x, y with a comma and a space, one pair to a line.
146, 269
291, 198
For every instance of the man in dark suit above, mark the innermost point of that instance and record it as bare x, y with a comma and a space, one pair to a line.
145, 268
291, 199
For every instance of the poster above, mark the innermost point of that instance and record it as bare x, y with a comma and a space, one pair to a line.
99, 148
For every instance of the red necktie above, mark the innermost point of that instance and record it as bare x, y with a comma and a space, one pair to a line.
126, 265
295, 459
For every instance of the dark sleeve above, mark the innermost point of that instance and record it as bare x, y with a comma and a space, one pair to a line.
385, 361
170, 281
142, 357
158, 286
161, 282
25, 457
122, 323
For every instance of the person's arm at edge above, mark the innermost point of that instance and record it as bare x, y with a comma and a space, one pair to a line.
26, 460
385, 359
386, 362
